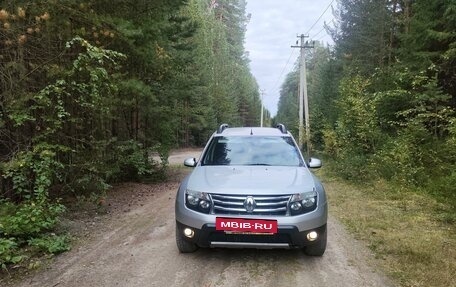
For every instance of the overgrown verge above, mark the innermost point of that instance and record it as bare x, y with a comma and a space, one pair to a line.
65, 155
89, 90
26, 231
395, 145
411, 232
30, 217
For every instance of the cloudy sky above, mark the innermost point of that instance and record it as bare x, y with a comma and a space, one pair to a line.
271, 31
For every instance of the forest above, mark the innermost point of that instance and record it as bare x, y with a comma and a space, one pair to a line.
90, 89
383, 97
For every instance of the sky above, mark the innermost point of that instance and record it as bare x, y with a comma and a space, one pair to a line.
271, 32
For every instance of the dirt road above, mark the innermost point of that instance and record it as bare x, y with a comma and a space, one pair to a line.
136, 247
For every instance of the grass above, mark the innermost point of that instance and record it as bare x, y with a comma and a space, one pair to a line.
407, 230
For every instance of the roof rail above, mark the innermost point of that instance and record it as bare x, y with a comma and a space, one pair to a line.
222, 128
282, 128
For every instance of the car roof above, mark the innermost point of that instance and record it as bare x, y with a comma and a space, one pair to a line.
252, 131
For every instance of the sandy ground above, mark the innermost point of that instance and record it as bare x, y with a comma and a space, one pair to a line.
135, 246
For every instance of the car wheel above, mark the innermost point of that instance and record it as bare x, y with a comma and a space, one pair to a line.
317, 249
183, 245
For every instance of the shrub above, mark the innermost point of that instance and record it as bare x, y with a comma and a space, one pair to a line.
131, 161
29, 218
32, 172
352, 166
444, 188
24, 223
331, 144
401, 160
8, 252
52, 243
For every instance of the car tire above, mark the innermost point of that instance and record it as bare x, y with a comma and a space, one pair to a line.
183, 245
317, 249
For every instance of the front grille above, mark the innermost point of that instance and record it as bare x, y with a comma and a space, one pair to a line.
265, 204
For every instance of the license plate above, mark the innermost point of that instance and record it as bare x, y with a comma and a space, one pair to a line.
245, 225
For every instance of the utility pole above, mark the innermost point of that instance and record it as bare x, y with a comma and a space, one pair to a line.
262, 107
303, 93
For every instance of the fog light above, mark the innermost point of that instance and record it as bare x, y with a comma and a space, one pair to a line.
190, 233
312, 236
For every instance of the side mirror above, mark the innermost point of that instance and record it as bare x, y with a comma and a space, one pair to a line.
314, 163
190, 162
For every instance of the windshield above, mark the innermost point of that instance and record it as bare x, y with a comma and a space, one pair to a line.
253, 150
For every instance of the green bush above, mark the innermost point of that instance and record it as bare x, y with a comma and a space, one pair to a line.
89, 183
401, 160
32, 172
357, 126
8, 252
29, 218
25, 223
131, 160
444, 188
352, 166
331, 143
53, 244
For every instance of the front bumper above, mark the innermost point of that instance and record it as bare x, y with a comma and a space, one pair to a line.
302, 222
286, 237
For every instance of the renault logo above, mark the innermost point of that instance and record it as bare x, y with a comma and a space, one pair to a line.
249, 204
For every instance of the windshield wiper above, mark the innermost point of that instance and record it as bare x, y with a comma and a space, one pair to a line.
265, 164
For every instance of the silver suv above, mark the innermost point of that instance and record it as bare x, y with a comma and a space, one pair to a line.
251, 188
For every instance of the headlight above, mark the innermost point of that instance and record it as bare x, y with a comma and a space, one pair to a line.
199, 201
303, 202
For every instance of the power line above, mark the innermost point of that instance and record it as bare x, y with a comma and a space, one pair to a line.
292, 51
319, 39
283, 70
320, 17
314, 36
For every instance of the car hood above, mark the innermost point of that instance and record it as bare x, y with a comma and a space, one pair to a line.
251, 180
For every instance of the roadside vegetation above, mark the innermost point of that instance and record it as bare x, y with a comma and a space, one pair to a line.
411, 233
382, 103
89, 90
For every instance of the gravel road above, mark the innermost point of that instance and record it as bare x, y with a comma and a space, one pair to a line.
137, 248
